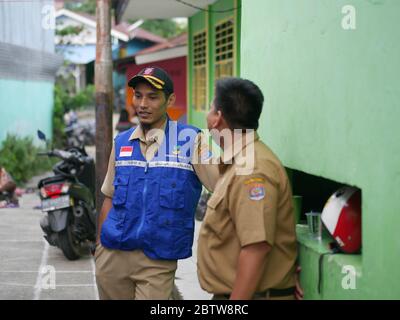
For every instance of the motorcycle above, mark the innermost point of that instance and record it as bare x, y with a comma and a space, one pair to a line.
79, 133
68, 201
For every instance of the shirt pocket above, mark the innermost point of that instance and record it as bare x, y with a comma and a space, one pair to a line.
121, 183
213, 219
172, 193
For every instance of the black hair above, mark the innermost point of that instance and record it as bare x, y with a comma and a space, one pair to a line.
240, 102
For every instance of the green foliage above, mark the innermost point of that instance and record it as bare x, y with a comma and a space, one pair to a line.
163, 27
70, 30
64, 101
58, 120
19, 157
82, 99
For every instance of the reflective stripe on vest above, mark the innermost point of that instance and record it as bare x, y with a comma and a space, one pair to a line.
154, 164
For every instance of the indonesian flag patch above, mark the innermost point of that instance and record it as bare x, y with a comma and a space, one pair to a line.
126, 151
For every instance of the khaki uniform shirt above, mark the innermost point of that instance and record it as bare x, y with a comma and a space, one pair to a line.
244, 210
149, 144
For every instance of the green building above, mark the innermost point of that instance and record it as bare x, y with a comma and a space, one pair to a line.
214, 52
330, 73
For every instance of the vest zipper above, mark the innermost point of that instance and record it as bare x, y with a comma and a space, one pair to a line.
144, 203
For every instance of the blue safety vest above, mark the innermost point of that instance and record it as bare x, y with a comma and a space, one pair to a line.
154, 202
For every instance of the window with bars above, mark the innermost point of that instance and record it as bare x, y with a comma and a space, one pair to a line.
199, 75
224, 49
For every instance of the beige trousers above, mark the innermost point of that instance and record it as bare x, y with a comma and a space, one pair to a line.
127, 275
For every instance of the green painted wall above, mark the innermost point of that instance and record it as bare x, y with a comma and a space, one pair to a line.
332, 110
197, 23
207, 20
25, 107
216, 17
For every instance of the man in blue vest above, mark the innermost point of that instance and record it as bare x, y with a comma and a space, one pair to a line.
152, 188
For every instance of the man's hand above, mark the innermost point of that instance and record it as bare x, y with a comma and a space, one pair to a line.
299, 293
93, 248
107, 205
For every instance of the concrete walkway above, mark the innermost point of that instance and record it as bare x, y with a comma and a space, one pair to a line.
27, 262
186, 275
30, 268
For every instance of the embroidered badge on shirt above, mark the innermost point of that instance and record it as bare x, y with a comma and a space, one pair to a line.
254, 180
257, 192
126, 151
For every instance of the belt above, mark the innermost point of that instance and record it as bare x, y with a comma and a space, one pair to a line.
270, 293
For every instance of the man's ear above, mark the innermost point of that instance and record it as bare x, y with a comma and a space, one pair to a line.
218, 120
215, 119
171, 100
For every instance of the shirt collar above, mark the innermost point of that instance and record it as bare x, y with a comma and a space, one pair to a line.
152, 135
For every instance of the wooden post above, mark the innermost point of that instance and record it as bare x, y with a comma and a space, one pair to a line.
104, 95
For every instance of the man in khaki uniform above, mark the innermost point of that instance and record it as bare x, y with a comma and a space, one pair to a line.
123, 270
247, 243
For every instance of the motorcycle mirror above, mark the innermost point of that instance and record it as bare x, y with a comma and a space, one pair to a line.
41, 135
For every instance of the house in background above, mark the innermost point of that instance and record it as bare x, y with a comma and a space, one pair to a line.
79, 48
28, 66
170, 55
59, 4
213, 48
213, 44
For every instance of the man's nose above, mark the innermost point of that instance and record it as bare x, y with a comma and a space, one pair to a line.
143, 103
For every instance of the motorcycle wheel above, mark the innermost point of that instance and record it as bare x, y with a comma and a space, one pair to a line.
67, 244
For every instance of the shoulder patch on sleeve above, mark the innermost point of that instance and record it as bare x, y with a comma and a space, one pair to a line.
254, 180
256, 188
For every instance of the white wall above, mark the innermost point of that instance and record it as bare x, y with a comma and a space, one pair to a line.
28, 24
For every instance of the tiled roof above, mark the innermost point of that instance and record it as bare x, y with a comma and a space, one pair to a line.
180, 40
124, 28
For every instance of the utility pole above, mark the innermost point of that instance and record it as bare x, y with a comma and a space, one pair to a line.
104, 94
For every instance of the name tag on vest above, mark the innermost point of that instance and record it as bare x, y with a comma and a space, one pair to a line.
126, 151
